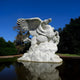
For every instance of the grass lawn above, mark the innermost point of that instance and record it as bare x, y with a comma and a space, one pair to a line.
8, 59
11, 58
68, 55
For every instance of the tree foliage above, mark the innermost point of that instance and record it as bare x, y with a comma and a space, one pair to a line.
7, 48
70, 37
20, 45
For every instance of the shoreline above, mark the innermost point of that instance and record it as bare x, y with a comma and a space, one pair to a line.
11, 56
60, 55
69, 57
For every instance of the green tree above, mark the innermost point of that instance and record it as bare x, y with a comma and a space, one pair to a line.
20, 45
7, 48
2, 42
70, 37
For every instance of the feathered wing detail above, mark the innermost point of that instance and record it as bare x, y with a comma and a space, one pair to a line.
29, 24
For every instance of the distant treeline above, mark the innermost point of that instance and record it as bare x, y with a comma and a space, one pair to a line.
7, 48
70, 37
12, 48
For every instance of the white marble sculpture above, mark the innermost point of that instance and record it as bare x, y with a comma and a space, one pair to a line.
44, 41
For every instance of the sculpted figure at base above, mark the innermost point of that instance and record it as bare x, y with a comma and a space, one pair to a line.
43, 43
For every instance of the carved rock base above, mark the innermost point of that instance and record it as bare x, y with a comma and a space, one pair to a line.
44, 52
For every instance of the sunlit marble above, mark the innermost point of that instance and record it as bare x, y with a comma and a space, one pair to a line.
44, 42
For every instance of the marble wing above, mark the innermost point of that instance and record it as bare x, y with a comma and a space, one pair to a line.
29, 24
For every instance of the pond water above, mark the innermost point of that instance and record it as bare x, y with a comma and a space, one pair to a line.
69, 70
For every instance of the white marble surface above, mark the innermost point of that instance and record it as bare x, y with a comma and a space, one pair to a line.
44, 41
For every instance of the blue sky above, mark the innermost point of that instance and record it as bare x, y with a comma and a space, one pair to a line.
61, 11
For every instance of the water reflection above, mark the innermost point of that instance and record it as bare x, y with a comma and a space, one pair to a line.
4, 65
69, 70
37, 71
7, 71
